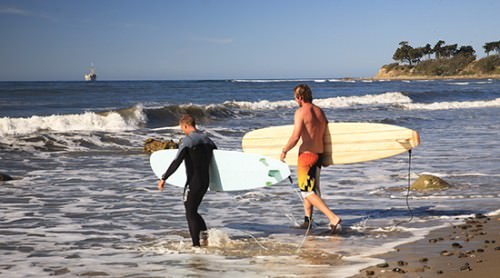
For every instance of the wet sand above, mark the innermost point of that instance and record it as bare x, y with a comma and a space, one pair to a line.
471, 249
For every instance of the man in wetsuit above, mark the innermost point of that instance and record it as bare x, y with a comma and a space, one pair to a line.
310, 124
196, 150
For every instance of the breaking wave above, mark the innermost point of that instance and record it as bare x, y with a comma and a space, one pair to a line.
114, 121
448, 105
169, 115
138, 116
389, 98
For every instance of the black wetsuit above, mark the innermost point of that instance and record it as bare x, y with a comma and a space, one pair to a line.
196, 150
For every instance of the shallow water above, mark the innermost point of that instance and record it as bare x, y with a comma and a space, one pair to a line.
84, 201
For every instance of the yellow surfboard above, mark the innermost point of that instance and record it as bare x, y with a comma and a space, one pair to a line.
344, 142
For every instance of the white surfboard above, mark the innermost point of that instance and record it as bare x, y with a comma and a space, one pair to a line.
229, 170
344, 142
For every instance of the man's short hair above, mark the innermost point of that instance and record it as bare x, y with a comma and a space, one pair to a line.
304, 92
188, 120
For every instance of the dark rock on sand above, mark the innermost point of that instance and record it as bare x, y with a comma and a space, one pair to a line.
61, 271
383, 265
152, 145
429, 182
93, 273
480, 216
5, 177
446, 253
465, 267
456, 245
399, 270
434, 240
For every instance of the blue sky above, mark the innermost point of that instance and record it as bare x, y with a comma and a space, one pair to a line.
228, 39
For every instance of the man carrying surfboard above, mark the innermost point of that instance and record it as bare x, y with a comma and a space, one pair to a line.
196, 150
310, 125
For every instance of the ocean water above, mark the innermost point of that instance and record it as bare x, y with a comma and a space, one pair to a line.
84, 200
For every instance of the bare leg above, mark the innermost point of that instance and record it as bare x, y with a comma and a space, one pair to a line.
308, 208
318, 203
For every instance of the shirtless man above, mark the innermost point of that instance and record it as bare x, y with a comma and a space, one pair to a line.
310, 124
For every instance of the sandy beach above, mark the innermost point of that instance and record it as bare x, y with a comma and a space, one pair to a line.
471, 249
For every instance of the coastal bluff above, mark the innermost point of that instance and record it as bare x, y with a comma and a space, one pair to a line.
485, 68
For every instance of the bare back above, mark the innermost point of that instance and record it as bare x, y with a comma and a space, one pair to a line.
313, 122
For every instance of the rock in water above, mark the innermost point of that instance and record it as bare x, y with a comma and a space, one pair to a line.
5, 177
429, 182
152, 145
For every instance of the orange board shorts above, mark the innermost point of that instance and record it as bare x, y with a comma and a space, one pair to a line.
308, 166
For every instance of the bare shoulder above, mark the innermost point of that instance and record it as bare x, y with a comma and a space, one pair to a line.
299, 112
319, 111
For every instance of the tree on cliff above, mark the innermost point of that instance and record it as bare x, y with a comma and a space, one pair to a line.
449, 60
449, 50
406, 53
403, 53
492, 46
427, 50
445, 51
466, 50
438, 48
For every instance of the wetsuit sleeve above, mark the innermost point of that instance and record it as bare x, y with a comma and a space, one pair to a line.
181, 154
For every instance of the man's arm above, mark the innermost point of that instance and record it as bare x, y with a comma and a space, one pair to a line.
298, 126
174, 165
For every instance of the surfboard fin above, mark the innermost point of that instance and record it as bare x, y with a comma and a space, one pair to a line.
264, 161
275, 174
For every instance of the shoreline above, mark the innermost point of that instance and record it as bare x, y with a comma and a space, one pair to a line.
382, 75
451, 77
419, 78
469, 249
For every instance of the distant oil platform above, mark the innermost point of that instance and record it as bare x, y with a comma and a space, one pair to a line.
91, 76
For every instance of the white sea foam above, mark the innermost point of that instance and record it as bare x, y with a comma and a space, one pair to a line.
88, 121
388, 98
176, 127
261, 105
453, 105
345, 80
494, 213
456, 197
218, 238
268, 80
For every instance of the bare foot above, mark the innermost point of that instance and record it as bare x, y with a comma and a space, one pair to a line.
336, 228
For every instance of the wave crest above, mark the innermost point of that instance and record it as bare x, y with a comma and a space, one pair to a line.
448, 105
388, 98
119, 120
169, 115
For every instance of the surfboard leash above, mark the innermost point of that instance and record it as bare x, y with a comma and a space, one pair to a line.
408, 190
310, 220
409, 186
257, 241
